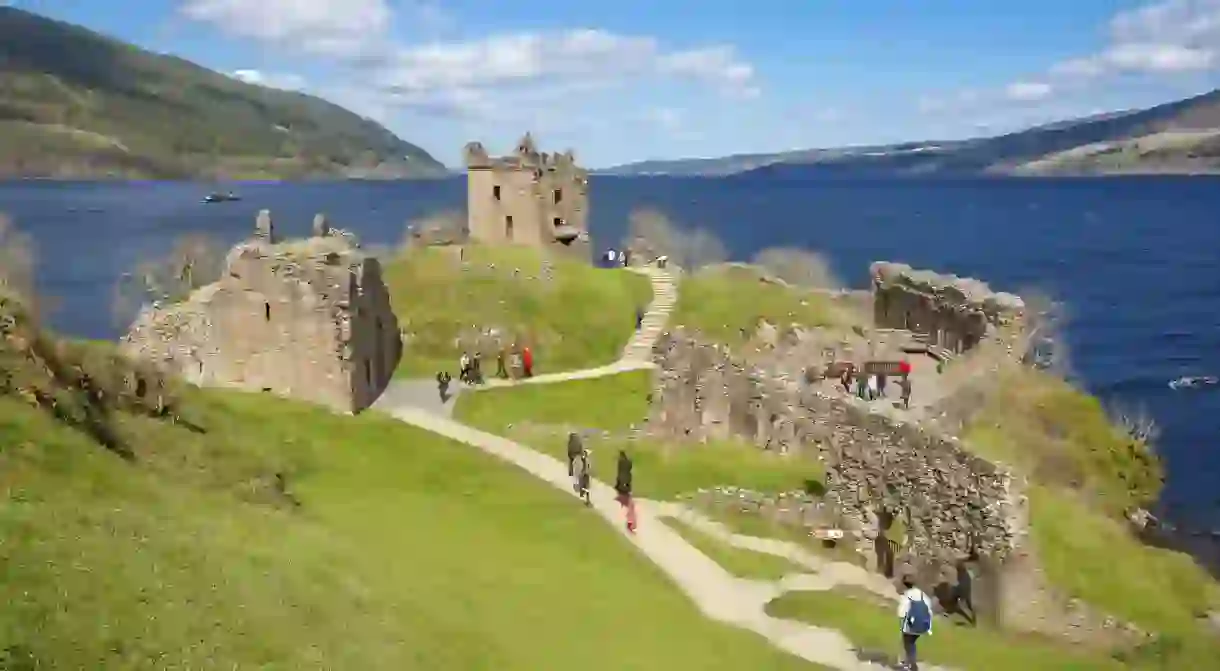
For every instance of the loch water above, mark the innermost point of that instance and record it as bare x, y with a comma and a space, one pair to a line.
1137, 260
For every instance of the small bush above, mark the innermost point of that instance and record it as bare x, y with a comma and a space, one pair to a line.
18, 259
651, 233
194, 261
798, 267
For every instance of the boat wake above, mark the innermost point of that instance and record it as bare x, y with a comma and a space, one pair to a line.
1194, 382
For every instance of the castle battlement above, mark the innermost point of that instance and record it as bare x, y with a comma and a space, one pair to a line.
528, 198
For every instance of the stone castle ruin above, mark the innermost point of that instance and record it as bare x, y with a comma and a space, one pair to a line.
528, 198
881, 462
306, 318
953, 314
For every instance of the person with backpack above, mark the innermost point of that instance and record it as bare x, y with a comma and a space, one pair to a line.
915, 614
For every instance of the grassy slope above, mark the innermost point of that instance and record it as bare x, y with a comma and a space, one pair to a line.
409, 552
1086, 473
541, 415
741, 563
721, 302
581, 317
873, 626
76, 103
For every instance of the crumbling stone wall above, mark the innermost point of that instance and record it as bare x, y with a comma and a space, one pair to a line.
955, 313
953, 502
307, 318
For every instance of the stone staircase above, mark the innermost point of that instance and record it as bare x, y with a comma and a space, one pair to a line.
664, 297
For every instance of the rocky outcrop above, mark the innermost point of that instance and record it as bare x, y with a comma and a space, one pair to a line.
953, 502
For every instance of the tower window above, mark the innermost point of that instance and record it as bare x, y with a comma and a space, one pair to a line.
266, 311
495, 192
558, 222
558, 196
508, 226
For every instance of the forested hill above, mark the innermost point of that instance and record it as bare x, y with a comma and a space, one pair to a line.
74, 103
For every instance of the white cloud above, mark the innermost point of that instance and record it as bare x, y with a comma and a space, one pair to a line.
288, 82
1161, 39
329, 27
468, 77
576, 57
1164, 37
1028, 91
667, 118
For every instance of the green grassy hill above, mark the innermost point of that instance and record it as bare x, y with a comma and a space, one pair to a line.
150, 527
571, 314
76, 103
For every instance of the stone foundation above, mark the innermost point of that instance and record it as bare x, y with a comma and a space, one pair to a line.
954, 503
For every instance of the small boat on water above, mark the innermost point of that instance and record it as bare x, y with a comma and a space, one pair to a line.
221, 197
1192, 382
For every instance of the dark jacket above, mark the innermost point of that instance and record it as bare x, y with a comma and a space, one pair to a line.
622, 479
575, 447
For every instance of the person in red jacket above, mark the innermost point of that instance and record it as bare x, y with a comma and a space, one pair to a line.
527, 361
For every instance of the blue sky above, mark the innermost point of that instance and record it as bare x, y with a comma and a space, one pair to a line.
632, 80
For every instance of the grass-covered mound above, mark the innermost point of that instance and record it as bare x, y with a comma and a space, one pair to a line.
572, 314
1087, 471
871, 625
726, 303
246, 531
542, 415
742, 563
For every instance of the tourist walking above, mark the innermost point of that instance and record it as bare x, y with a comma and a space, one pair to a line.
575, 447
501, 371
527, 361
915, 614
583, 470
905, 384
872, 388
476, 368
622, 487
443, 379
639, 318
464, 368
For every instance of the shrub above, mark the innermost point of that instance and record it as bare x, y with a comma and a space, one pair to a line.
798, 267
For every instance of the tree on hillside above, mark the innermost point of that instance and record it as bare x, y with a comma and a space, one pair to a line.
650, 234
17, 262
194, 261
1045, 331
798, 267
699, 248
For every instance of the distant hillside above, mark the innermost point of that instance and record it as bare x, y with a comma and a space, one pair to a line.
1177, 137
74, 103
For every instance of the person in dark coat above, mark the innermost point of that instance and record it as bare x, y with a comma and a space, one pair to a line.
622, 486
443, 379
575, 447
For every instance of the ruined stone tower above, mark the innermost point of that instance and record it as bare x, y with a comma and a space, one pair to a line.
306, 318
528, 198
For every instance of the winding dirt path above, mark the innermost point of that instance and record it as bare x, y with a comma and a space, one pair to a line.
718, 595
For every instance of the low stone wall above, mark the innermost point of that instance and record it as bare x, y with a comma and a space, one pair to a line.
952, 502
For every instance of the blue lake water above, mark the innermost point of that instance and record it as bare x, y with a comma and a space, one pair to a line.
1136, 259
